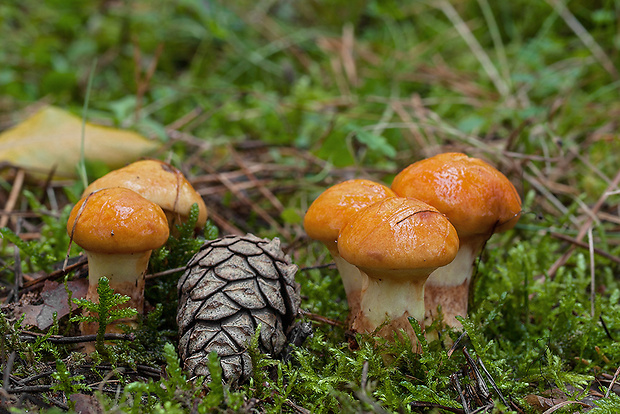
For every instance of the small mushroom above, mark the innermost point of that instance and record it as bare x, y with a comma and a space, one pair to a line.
329, 213
158, 182
478, 200
118, 229
397, 242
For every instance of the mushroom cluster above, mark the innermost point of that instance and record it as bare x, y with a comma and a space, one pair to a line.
406, 252
385, 247
122, 217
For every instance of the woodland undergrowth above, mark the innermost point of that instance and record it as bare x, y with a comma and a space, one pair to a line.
263, 105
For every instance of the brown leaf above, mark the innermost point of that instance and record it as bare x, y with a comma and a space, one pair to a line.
86, 404
54, 298
539, 403
52, 138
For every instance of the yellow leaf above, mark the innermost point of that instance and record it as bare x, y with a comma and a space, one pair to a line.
52, 138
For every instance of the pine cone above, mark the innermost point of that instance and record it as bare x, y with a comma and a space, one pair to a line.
229, 287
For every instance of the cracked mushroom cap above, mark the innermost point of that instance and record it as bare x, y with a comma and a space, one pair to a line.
117, 220
158, 182
476, 198
329, 213
396, 236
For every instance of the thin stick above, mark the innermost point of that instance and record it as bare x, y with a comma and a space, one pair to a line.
583, 245
275, 202
24, 381
165, 272
454, 379
585, 37
29, 389
475, 47
331, 265
297, 408
347, 47
56, 273
563, 404
77, 217
143, 82
7, 371
480, 383
613, 380
600, 318
13, 196
592, 279
80, 338
425, 404
364, 378
320, 318
257, 209
548, 195
222, 223
414, 128
82, 163
18, 271
582, 231
493, 384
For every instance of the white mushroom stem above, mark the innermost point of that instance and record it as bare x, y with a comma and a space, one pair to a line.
126, 275
352, 280
394, 299
448, 286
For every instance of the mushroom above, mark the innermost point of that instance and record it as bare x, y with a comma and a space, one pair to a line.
478, 200
329, 213
118, 229
158, 182
397, 242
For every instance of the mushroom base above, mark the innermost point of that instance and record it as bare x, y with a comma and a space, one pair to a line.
388, 304
448, 286
453, 302
126, 275
352, 280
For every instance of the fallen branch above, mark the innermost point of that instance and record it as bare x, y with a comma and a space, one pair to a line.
584, 245
55, 274
57, 339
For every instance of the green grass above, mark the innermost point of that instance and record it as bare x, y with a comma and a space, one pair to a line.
301, 95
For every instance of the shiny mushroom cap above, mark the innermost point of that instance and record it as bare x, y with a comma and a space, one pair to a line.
158, 182
476, 198
329, 213
116, 221
398, 236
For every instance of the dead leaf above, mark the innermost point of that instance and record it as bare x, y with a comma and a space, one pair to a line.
539, 403
86, 404
53, 298
554, 399
52, 138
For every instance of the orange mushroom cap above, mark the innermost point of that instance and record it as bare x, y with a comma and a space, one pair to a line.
158, 182
398, 234
476, 198
117, 220
329, 213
